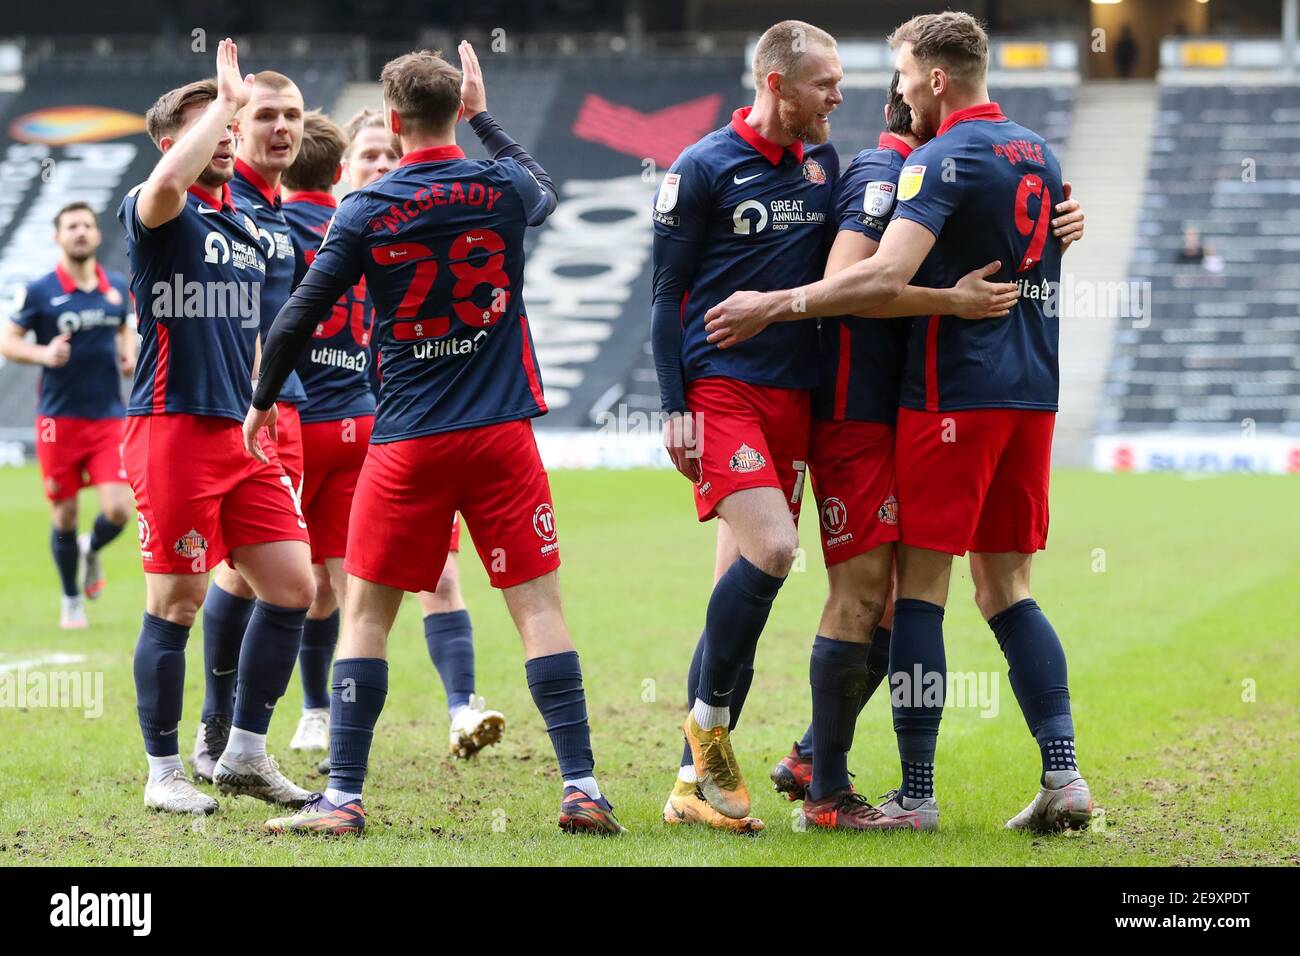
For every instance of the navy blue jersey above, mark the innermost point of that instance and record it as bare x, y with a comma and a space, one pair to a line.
335, 371
440, 243
985, 187
862, 359
89, 385
752, 215
197, 281
262, 202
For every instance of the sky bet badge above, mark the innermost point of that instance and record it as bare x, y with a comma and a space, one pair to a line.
878, 199
668, 193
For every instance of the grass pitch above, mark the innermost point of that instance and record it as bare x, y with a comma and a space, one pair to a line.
1176, 600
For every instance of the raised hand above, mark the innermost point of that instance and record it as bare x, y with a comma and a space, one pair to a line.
231, 87
472, 92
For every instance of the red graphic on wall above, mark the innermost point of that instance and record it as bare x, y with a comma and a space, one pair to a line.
660, 136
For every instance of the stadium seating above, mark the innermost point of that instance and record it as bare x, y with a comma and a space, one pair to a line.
1221, 347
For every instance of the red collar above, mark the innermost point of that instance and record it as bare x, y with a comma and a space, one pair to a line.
897, 144
432, 154
69, 284
313, 197
203, 197
271, 195
984, 111
770, 150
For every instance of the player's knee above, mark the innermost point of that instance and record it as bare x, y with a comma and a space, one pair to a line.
992, 598
325, 600
858, 610
64, 514
183, 610
775, 552
119, 512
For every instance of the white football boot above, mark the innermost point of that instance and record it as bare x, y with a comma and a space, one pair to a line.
258, 776
473, 728
1066, 806
924, 814
72, 613
313, 731
176, 793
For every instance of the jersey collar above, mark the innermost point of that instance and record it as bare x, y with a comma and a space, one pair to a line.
69, 284
897, 144
432, 154
225, 203
269, 193
983, 111
770, 151
314, 197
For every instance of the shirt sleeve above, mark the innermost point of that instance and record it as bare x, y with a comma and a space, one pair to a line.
129, 216
681, 217
341, 251
27, 310
538, 203
929, 186
866, 195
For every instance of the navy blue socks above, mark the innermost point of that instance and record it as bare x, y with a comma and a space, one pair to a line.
1036, 669
738, 609
319, 635
357, 698
160, 683
450, 637
877, 671
63, 545
266, 663
103, 532
225, 619
837, 673
918, 675
555, 681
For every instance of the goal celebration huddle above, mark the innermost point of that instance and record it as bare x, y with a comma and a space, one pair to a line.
359, 378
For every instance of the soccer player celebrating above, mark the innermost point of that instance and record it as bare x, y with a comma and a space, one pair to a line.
448, 632
851, 464
268, 133
196, 272
440, 244
80, 316
978, 399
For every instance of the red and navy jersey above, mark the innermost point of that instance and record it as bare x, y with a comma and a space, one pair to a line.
439, 241
335, 371
862, 359
263, 203
985, 187
752, 215
89, 385
197, 282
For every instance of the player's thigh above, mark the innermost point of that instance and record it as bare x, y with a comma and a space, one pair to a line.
326, 601
536, 609
1001, 579
923, 574
859, 589
505, 501
447, 595
764, 530
338, 580
279, 571
175, 597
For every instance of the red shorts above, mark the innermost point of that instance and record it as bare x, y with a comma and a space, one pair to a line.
974, 480
455, 534
333, 453
288, 442
410, 491
200, 495
750, 436
852, 468
76, 452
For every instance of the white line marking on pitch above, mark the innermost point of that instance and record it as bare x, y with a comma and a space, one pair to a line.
6, 666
